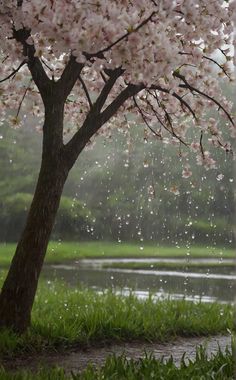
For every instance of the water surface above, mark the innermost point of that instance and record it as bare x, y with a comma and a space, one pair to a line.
198, 282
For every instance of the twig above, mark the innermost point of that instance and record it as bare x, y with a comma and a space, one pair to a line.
100, 53
194, 89
85, 90
23, 97
144, 119
13, 72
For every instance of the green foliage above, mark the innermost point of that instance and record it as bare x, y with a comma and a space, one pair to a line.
64, 316
219, 367
61, 251
73, 219
113, 182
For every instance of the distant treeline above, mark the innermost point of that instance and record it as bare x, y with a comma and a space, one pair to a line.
125, 189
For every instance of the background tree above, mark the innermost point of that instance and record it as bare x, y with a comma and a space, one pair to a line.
97, 63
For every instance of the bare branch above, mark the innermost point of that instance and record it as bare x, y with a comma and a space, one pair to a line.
103, 77
13, 72
5, 58
201, 146
168, 118
45, 63
86, 91
23, 97
144, 118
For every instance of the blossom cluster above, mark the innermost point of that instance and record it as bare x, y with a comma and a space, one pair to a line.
176, 48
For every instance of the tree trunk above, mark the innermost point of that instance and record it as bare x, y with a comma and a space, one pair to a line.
19, 288
18, 292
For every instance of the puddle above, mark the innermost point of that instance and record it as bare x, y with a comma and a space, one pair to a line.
78, 360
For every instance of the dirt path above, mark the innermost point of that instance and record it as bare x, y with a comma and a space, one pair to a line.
78, 359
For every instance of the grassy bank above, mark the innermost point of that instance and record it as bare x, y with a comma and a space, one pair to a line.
58, 251
219, 367
65, 316
167, 266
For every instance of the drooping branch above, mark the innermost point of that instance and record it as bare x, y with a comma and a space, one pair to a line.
144, 118
194, 89
175, 95
13, 72
168, 119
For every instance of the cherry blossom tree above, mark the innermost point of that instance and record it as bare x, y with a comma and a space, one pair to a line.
89, 67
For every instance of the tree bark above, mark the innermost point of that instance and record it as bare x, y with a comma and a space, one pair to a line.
19, 288
18, 292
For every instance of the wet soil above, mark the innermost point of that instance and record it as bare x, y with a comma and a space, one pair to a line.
77, 359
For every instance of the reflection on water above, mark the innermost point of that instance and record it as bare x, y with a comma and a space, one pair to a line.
195, 283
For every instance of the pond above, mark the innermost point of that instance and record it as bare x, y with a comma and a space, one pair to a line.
206, 279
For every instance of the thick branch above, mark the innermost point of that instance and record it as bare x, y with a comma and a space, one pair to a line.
34, 64
113, 107
101, 99
94, 122
69, 76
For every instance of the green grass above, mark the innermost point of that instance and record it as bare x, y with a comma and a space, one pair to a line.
58, 252
64, 317
219, 367
176, 266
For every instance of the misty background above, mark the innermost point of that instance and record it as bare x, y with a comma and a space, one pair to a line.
124, 188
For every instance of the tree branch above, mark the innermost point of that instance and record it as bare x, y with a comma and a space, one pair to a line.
144, 118
101, 99
100, 53
94, 122
85, 91
194, 89
113, 107
23, 97
69, 76
13, 72
217, 64
175, 95
34, 64
201, 145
